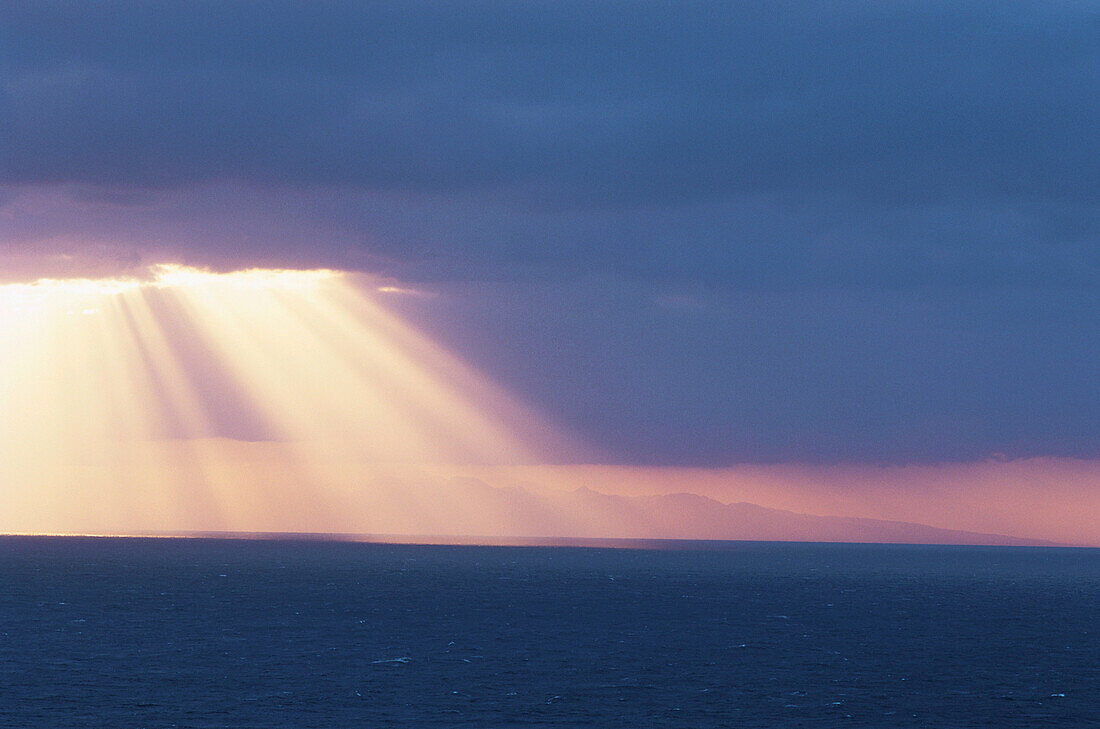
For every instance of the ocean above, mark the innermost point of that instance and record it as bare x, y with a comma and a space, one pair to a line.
263, 633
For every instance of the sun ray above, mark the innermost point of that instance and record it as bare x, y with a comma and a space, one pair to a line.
268, 400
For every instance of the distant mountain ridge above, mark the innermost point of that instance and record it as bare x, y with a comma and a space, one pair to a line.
586, 514
469, 510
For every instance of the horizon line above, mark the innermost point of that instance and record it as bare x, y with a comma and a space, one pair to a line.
463, 540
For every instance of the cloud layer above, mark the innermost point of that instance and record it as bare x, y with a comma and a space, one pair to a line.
742, 143
841, 231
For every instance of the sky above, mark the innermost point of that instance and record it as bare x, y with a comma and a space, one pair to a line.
689, 234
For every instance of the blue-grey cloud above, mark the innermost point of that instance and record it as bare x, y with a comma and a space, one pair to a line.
789, 127
816, 375
871, 230
569, 103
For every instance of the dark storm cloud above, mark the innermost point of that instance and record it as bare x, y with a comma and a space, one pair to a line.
852, 132
589, 104
813, 230
817, 375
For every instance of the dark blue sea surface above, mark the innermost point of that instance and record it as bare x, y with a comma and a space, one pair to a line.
237, 633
